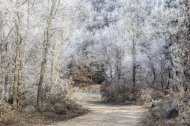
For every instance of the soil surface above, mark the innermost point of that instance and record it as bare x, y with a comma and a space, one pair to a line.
105, 115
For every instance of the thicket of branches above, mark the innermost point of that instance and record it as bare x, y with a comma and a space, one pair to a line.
32, 37
129, 45
139, 43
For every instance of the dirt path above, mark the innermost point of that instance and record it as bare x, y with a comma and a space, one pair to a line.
107, 115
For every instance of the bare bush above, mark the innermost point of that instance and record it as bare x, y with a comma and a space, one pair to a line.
119, 93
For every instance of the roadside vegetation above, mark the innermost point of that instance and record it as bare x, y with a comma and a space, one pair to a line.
137, 52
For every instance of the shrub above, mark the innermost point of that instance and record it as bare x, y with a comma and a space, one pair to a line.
118, 92
168, 113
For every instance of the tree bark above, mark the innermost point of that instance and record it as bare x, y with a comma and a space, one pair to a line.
17, 65
45, 54
134, 53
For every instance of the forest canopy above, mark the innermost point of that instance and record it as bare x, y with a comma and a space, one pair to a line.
123, 45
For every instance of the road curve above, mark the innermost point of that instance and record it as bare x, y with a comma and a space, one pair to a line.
107, 115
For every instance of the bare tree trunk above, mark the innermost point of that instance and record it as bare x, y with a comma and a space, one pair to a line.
5, 83
2, 50
17, 65
134, 53
54, 58
169, 77
45, 53
111, 73
118, 63
152, 69
6, 76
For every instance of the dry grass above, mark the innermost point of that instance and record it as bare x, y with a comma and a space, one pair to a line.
10, 117
161, 113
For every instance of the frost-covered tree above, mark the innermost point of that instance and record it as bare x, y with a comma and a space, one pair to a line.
130, 43
47, 40
23, 32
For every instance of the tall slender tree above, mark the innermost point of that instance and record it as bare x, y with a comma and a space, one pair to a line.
47, 43
17, 71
